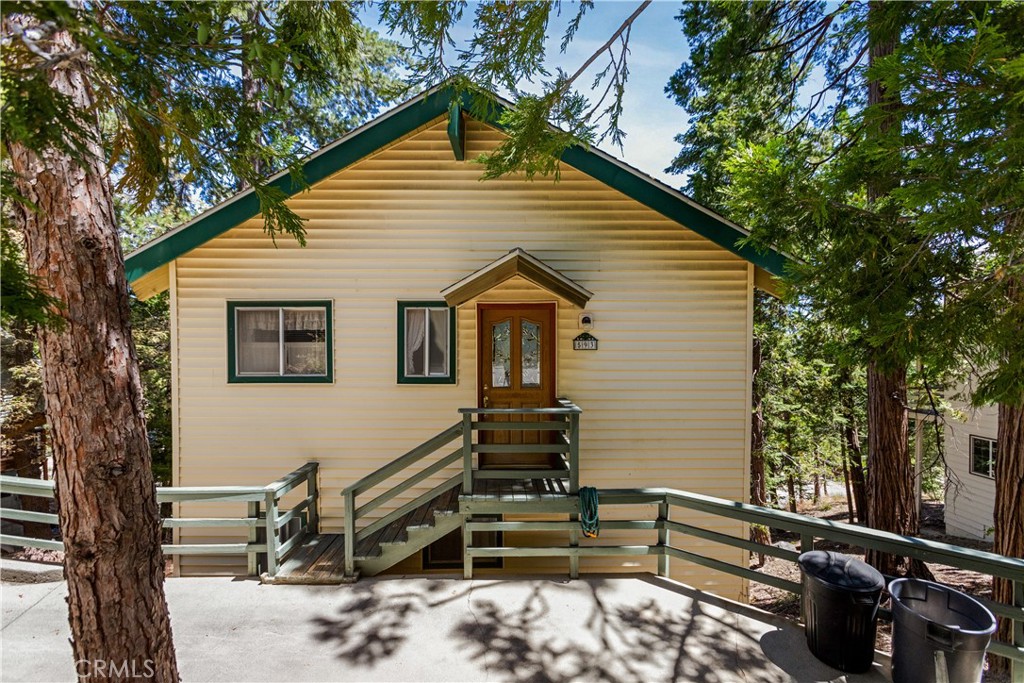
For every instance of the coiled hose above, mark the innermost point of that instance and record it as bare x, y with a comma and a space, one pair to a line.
590, 522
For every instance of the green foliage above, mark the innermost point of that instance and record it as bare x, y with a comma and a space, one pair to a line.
152, 337
22, 300
901, 214
177, 127
808, 394
506, 48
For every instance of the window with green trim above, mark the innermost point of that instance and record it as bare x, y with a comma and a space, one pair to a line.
426, 342
280, 341
983, 457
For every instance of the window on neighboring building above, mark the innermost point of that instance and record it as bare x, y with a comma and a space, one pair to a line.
426, 342
279, 341
983, 456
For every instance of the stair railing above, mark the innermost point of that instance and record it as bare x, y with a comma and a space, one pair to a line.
354, 513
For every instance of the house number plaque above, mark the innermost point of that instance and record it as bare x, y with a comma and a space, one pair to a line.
585, 342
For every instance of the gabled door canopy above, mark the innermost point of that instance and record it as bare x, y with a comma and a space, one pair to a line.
516, 262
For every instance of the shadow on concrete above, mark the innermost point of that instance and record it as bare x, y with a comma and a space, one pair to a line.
544, 631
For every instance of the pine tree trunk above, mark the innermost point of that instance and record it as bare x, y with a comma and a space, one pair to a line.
107, 501
891, 504
858, 481
758, 493
846, 481
1009, 505
891, 500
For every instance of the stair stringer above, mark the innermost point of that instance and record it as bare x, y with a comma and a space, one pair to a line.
418, 539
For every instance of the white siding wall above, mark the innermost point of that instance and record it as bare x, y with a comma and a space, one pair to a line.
969, 497
664, 399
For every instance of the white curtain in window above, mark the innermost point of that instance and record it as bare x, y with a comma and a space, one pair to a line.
438, 342
305, 319
258, 342
305, 354
415, 336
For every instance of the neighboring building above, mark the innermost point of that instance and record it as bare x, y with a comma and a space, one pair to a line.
970, 450
365, 343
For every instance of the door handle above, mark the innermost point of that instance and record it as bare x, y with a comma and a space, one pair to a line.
487, 401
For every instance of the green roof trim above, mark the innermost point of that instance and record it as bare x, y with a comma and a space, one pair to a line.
666, 202
405, 119
330, 160
457, 131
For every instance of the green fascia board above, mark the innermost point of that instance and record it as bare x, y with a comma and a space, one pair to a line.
661, 200
409, 117
457, 131
321, 166
665, 201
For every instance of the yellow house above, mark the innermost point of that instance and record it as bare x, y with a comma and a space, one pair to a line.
607, 308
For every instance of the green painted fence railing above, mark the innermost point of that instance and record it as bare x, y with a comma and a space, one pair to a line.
354, 514
272, 531
809, 529
409, 470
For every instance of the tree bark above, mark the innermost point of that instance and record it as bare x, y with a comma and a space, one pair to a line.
1009, 505
891, 505
846, 480
858, 481
107, 500
759, 533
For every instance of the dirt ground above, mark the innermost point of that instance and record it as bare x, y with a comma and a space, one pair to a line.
834, 508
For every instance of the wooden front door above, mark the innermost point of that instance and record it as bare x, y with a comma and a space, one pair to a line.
516, 369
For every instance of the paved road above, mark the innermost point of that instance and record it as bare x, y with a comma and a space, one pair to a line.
632, 629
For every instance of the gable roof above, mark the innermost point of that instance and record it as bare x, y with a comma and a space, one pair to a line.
405, 119
524, 264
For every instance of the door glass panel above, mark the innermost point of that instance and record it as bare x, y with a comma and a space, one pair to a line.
531, 354
501, 357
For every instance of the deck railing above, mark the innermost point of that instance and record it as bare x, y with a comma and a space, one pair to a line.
563, 420
808, 528
272, 531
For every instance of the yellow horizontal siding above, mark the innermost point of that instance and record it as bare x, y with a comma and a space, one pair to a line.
664, 398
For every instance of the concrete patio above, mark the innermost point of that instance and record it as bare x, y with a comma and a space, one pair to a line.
633, 629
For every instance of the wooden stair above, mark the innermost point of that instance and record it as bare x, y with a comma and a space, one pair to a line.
320, 559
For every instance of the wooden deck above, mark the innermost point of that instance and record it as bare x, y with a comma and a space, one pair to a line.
320, 559
496, 496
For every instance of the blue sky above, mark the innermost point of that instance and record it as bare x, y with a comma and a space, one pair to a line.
657, 48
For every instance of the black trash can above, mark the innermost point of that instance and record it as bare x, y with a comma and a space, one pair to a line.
938, 634
840, 595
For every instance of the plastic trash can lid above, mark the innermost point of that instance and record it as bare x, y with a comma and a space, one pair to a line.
841, 570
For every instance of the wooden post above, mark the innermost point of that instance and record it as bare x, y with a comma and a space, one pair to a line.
311, 492
1017, 668
467, 454
350, 534
806, 543
574, 488
574, 453
467, 542
271, 527
251, 555
663, 558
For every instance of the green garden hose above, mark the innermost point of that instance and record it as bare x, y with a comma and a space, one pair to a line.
590, 523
